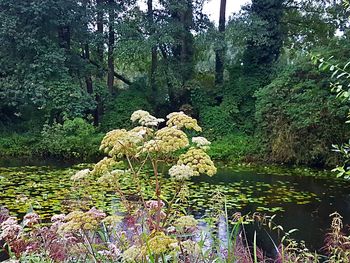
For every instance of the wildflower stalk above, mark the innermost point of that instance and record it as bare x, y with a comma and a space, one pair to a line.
246, 240
158, 192
255, 249
89, 247
123, 199
170, 205
136, 178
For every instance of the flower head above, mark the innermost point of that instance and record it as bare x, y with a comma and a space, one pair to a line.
145, 118
112, 220
142, 131
82, 174
160, 243
199, 161
190, 247
111, 139
181, 120
104, 166
58, 218
185, 223
10, 229
132, 254
181, 172
153, 204
201, 142
127, 145
168, 139
112, 177
31, 219
78, 220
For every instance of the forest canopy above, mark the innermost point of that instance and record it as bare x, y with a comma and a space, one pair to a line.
71, 70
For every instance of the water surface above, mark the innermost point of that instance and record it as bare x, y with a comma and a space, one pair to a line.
299, 202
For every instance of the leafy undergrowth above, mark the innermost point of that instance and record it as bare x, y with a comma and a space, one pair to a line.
74, 139
236, 147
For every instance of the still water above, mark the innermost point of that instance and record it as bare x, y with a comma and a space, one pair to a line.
299, 202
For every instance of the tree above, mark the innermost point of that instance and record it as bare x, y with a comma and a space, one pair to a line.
220, 52
261, 55
177, 20
111, 42
99, 24
154, 55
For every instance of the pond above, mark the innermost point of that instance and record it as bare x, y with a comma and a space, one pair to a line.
300, 202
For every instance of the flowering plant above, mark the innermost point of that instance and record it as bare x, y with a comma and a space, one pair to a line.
149, 229
148, 144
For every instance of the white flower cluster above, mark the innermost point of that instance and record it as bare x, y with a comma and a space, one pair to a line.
181, 120
181, 172
80, 175
111, 177
142, 131
201, 142
174, 114
167, 139
145, 118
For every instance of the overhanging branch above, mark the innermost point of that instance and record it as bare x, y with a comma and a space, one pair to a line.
117, 75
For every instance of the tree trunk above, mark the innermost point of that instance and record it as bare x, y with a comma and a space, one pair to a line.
154, 56
86, 57
89, 84
187, 42
100, 30
220, 52
100, 51
111, 40
64, 37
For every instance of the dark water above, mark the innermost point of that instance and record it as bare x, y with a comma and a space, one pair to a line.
310, 215
302, 203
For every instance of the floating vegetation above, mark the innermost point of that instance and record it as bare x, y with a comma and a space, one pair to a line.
50, 191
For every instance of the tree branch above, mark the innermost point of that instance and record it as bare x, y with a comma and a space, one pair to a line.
117, 75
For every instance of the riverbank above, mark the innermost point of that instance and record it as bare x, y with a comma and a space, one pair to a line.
23, 150
77, 141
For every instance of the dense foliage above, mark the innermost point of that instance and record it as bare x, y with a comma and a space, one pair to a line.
250, 78
299, 117
271, 84
156, 229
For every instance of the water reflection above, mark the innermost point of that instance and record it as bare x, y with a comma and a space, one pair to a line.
304, 203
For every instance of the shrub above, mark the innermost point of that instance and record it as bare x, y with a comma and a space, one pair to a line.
74, 138
235, 147
298, 118
118, 110
216, 121
15, 145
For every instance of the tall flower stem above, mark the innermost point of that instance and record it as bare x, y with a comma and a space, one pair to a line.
158, 192
170, 205
136, 177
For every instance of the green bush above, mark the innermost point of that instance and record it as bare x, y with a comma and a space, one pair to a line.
74, 138
234, 147
117, 113
14, 144
298, 117
216, 122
